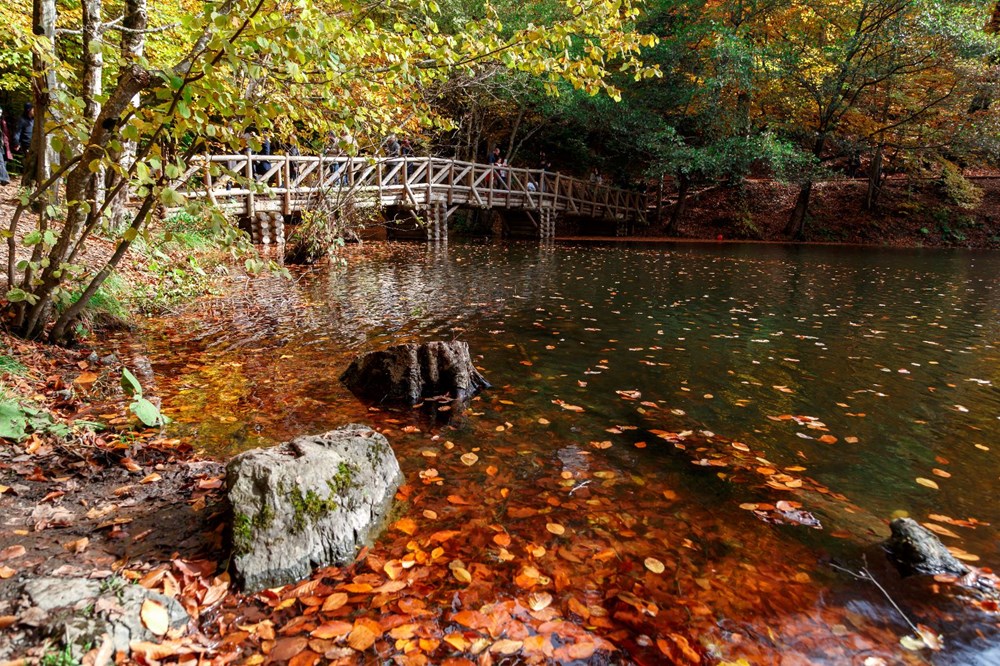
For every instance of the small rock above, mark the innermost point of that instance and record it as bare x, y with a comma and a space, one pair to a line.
915, 550
110, 359
79, 611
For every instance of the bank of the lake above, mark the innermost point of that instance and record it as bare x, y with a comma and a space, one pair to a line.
909, 213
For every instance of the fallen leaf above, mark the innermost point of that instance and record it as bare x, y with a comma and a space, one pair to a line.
155, 617
405, 525
364, 634
538, 601
469, 459
77, 546
506, 646
654, 565
927, 483
333, 629
555, 528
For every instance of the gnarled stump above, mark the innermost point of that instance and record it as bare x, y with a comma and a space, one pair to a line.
915, 550
410, 373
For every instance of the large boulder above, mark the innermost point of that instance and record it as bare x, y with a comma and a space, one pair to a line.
410, 373
311, 502
915, 550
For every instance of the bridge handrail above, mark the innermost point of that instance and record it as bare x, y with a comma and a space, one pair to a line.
405, 178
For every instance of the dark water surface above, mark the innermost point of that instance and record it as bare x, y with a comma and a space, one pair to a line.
892, 354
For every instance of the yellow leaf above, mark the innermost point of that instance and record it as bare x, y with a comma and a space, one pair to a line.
927, 483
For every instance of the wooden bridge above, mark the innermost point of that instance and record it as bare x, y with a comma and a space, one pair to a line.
268, 188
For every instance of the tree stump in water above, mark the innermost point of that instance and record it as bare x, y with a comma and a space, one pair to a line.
915, 550
410, 373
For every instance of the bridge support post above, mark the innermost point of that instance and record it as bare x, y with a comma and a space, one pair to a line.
547, 223
437, 222
267, 228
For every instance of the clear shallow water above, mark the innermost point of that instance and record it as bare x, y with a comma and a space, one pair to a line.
893, 352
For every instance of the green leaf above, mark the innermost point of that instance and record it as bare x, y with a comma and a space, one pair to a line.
171, 197
130, 384
13, 421
148, 413
17, 295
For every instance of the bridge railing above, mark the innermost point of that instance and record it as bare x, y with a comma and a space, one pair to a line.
247, 182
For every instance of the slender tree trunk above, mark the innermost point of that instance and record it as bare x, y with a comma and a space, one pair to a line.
133, 79
93, 73
43, 83
683, 185
797, 221
58, 333
133, 45
513, 133
874, 178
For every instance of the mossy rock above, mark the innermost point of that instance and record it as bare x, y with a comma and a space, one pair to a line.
311, 502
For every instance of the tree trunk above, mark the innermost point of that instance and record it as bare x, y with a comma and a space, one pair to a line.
797, 222
683, 185
40, 154
874, 179
133, 45
93, 72
58, 333
133, 79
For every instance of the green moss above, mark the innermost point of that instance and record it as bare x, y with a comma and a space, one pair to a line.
242, 533
309, 508
342, 479
244, 527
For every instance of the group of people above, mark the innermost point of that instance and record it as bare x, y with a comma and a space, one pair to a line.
15, 140
501, 165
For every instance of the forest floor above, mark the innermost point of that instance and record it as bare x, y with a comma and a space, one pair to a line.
87, 493
910, 213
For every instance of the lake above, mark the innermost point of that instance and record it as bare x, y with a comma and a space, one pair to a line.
625, 376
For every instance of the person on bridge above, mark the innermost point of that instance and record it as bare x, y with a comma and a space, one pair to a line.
493, 160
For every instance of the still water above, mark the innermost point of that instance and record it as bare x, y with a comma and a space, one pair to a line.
872, 373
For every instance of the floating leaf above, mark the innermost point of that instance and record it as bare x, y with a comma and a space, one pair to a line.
538, 601
654, 565
469, 459
927, 483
